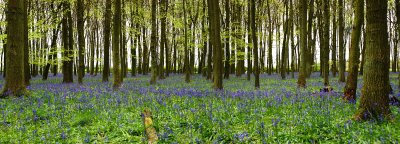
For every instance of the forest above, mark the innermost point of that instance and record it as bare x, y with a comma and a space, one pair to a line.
199, 71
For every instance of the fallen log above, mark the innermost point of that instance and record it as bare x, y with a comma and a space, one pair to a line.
151, 133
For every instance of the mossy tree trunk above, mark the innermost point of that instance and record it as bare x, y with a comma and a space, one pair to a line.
81, 41
116, 46
326, 42
153, 44
15, 78
374, 103
354, 59
303, 44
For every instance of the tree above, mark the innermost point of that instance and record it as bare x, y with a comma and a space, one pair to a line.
255, 44
107, 31
81, 40
164, 45
354, 59
68, 41
153, 44
15, 78
215, 37
186, 53
342, 62
325, 43
116, 49
334, 42
374, 102
303, 43
227, 40
27, 73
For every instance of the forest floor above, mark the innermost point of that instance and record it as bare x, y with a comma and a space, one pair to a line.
189, 113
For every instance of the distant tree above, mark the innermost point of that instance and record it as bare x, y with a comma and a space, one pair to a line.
107, 32
215, 37
116, 47
15, 78
303, 43
354, 59
153, 44
374, 103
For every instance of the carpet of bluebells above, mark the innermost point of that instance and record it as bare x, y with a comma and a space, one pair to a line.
189, 113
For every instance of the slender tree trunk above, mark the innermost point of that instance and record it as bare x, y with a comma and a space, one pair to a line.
334, 42
153, 44
309, 50
303, 44
270, 59
255, 46
107, 32
186, 53
326, 42
249, 40
81, 40
227, 40
26, 45
116, 47
342, 62
354, 59
374, 103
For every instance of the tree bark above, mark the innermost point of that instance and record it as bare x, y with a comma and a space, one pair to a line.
153, 44
374, 103
342, 62
15, 78
81, 40
116, 46
107, 32
255, 44
215, 36
303, 43
354, 59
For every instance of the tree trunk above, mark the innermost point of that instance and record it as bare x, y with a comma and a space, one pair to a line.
334, 42
342, 62
68, 45
81, 40
186, 53
326, 43
249, 40
27, 74
116, 46
270, 59
15, 78
303, 43
354, 59
153, 44
215, 36
255, 44
227, 40
374, 103
107, 32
